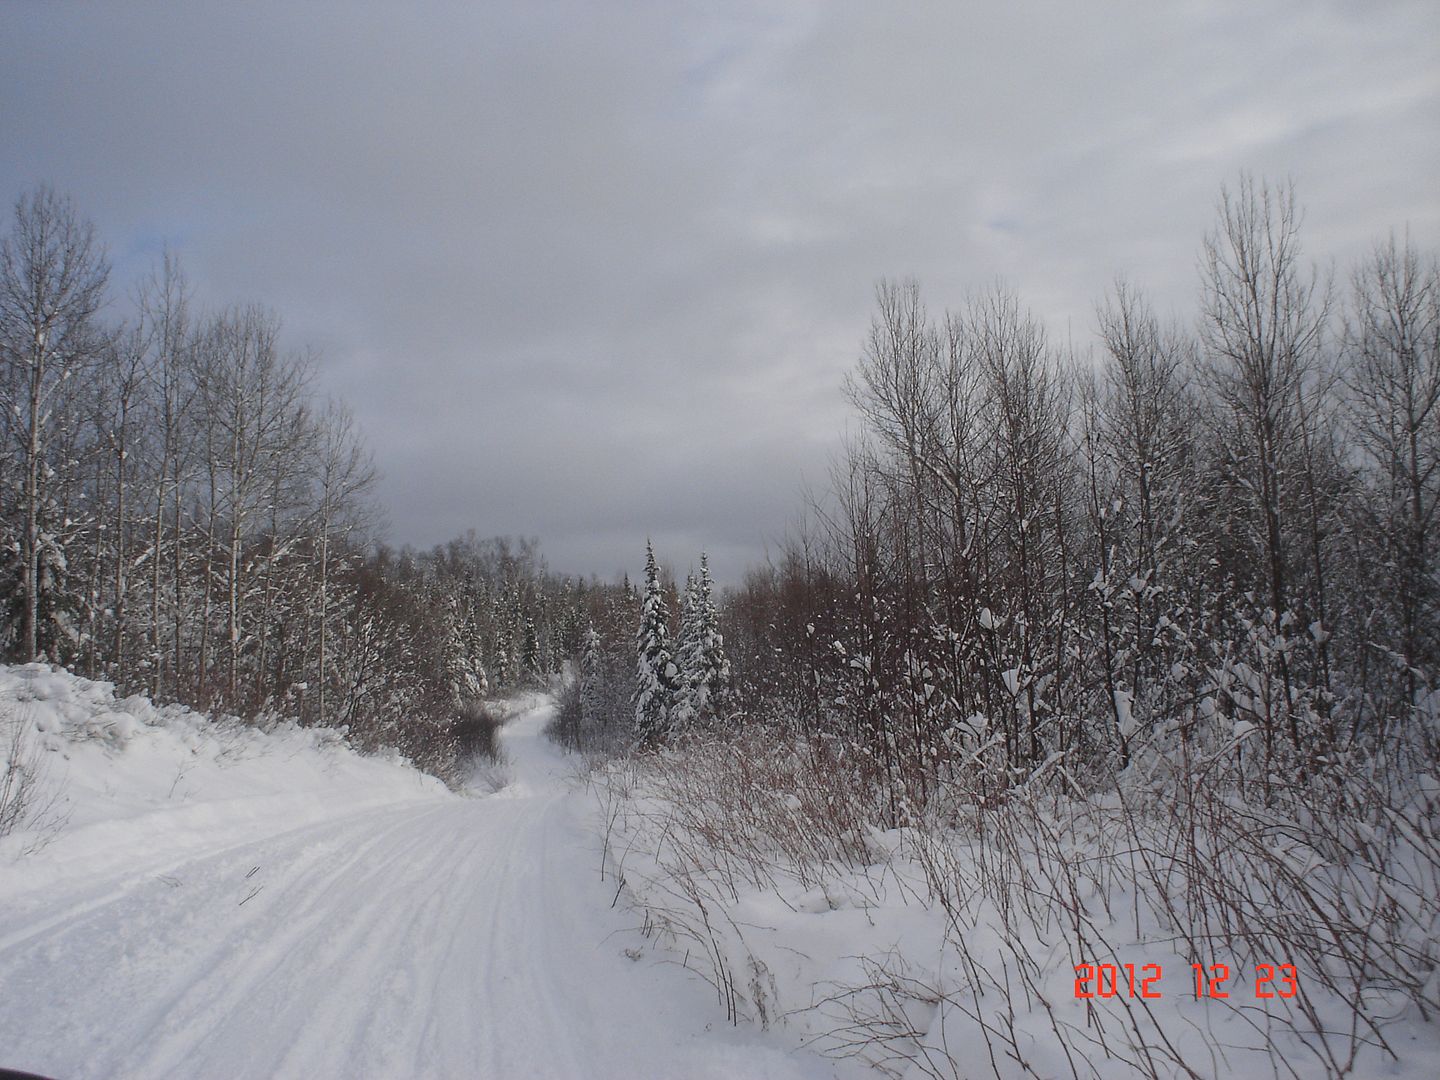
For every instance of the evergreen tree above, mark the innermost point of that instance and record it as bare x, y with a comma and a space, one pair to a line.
687, 659
707, 668
592, 661
655, 673
504, 669
464, 668
508, 637
531, 657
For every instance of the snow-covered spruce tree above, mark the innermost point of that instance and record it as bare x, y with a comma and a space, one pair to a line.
463, 665
656, 676
592, 660
504, 669
532, 658
686, 660
705, 666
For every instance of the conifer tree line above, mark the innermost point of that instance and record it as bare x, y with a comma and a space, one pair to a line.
182, 514
685, 681
1041, 558
665, 677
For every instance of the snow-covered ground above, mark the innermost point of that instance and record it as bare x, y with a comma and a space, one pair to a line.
1017, 944
222, 902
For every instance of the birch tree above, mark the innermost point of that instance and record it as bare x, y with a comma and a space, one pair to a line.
53, 274
249, 398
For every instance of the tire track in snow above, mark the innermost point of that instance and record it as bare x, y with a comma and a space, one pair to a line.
456, 938
315, 937
162, 953
91, 896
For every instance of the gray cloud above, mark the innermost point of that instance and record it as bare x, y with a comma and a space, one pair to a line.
596, 271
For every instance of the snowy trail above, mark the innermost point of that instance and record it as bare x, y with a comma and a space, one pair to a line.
443, 937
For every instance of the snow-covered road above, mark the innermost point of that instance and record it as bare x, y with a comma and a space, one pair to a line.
436, 937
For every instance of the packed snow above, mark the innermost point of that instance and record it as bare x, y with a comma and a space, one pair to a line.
203, 899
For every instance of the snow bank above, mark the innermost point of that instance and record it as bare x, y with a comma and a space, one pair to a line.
121, 781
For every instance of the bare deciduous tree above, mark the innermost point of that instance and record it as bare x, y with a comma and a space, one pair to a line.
53, 274
1263, 321
1393, 346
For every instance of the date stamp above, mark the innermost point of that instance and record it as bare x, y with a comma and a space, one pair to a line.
1270, 981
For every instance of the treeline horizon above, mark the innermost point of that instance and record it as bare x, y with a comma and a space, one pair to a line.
1023, 555
1213, 533
183, 514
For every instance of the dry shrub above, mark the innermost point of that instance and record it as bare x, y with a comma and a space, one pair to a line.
476, 731
690, 826
468, 753
27, 803
18, 780
1335, 870
761, 808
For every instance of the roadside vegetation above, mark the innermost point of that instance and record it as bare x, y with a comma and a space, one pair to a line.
1092, 666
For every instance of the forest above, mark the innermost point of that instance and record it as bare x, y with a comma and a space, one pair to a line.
1043, 559
1142, 635
182, 513
1149, 622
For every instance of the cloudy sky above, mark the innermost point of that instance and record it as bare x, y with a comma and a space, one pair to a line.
592, 271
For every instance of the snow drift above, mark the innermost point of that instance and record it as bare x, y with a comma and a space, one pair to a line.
99, 781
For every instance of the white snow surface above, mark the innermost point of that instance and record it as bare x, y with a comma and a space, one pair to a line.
226, 902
